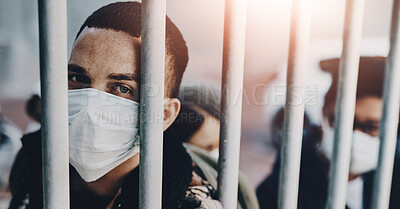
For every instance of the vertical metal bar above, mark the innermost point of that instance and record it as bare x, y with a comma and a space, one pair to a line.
390, 117
151, 103
53, 74
345, 104
231, 101
294, 107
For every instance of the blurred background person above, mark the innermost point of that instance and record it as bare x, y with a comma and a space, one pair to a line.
198, 125
33, 110
198, 122
318, 142
23, 162
277, 127
317, 80
9, 145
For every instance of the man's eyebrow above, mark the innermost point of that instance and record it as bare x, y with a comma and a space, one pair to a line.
369, 122
124, 76
372, 122
76, 69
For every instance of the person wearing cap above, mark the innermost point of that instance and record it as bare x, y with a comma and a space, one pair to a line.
318, 145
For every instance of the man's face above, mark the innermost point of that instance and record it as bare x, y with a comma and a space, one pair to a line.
368, 113
106, 60
365, 140
207, 136
109, 61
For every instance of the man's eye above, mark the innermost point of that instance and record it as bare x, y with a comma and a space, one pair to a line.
123, 89
78, 78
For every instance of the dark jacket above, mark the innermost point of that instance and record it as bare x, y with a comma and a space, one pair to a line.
178, 191
313, 182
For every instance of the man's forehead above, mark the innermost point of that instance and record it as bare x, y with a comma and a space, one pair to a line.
100, 39
106, 34
106, 50
369, 108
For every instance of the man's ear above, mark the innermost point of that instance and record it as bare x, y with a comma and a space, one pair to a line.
171, 111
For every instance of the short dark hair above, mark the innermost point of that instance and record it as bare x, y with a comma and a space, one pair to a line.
188, 122
126, 17
33, 108
277, 127
370, 80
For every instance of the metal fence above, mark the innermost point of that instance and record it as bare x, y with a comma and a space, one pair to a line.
53, 64
53, 76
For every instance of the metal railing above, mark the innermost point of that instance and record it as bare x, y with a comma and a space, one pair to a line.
294, 107
390, 117
345, 104
152, 103
53, 76
53, 67
231, 101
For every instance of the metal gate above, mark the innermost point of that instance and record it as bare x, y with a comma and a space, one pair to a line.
53, 67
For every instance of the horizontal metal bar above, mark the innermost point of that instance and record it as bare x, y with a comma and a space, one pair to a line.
294, 107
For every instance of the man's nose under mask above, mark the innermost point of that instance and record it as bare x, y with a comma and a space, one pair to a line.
364, 151
103, 131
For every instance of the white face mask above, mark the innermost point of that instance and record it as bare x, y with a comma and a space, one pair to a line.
103, 131
364, 152
214, 153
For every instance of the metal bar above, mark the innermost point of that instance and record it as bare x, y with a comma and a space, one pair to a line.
294, 107
231, 101
53, 74
390, 117
151, 103
345, 104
